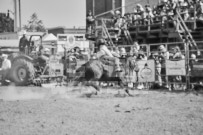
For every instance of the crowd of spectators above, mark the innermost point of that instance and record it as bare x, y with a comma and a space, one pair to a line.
167, 9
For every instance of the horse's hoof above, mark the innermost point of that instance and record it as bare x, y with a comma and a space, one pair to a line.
127, 91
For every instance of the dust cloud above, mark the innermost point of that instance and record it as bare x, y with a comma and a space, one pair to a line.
13, 93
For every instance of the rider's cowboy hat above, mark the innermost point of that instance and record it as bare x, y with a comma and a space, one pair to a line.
101, 42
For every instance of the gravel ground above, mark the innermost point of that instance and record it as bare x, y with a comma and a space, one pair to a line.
67, 111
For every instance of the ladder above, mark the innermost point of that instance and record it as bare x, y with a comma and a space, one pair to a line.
184, 27
128, 37
106, 33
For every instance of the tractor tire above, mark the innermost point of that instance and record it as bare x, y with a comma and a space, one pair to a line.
22, 72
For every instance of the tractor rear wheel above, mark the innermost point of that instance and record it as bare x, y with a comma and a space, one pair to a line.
22, 72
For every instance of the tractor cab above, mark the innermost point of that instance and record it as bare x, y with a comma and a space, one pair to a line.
34, 45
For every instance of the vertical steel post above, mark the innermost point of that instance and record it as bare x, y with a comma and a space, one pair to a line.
65, 61
187, 57
93, 7
113, 4
20, 25
15, 16
123, 7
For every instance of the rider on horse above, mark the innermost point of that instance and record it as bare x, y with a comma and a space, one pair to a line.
105, 52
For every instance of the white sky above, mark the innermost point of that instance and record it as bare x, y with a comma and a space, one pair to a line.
53, 13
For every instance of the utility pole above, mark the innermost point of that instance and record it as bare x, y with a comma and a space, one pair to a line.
93, 7
15, 16
20, 25
124, 7
113, 4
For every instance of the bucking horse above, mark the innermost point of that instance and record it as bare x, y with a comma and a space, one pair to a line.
103, 70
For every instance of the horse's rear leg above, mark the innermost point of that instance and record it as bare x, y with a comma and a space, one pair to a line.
78, 80
122, 85
93, 84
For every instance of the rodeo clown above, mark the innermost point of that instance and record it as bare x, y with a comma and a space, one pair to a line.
105, 52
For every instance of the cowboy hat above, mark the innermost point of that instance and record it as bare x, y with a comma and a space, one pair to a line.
4, 55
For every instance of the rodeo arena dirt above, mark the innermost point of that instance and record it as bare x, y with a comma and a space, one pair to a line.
138, 72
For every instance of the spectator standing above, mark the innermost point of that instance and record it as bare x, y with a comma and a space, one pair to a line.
129, 19
141, 55
200, 10
90, 22
123, 53
148, 15
154, 56
193, 60
177, 54
135, 48
139, 14
4, 70
115, 52
163, 56
119, 22
132, 69
23, 43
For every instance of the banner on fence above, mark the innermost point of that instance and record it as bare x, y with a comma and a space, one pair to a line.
146, 71
175, 67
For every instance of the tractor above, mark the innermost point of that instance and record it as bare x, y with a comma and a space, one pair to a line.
36, 66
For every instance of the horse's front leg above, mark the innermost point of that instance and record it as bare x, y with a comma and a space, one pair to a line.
122, 86
93, 84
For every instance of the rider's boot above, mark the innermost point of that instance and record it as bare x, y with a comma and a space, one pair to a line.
117, 65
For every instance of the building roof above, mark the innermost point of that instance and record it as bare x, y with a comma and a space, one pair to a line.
49, 37
58, 27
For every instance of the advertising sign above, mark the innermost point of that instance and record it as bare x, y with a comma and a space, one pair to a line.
71, 41
55, 67
174, 68
146, 72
